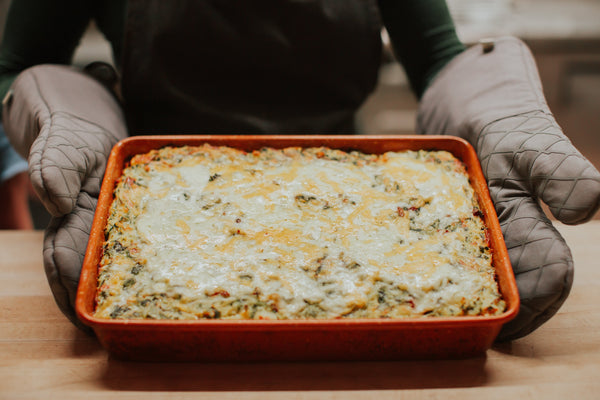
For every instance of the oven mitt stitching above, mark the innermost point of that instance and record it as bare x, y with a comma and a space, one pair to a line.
66, 123
494, 99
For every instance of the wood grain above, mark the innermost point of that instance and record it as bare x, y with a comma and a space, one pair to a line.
43, 356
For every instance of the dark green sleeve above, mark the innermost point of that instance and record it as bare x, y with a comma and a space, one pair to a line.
40, 32
423, 37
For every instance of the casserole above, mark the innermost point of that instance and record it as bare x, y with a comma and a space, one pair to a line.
296, 339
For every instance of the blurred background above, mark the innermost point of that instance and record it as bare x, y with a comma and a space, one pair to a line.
564, 37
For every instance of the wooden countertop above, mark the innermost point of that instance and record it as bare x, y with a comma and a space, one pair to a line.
43, 356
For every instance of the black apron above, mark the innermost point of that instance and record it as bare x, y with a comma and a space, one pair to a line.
248, 67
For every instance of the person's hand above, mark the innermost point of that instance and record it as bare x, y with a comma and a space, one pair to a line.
491, 95
65, 122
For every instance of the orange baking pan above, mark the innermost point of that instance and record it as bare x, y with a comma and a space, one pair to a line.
296, 340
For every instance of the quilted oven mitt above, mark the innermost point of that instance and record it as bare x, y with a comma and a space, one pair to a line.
491, 95
65, 123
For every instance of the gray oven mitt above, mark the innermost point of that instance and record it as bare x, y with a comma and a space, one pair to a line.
65, 123
491, 95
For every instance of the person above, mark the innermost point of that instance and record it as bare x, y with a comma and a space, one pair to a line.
14, 188
285, 66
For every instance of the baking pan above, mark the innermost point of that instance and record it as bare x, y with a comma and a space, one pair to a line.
296, 340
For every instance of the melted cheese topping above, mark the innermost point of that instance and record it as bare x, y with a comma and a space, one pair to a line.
214, 232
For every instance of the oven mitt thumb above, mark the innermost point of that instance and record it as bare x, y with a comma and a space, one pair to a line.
65, 123
491, 95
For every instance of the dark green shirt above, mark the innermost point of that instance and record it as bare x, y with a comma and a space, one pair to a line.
42, 32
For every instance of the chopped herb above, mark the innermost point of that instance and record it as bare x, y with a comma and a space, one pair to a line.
353, 265
381, 295
136, 268
117, 311
129, 282
302, 198
118, 247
